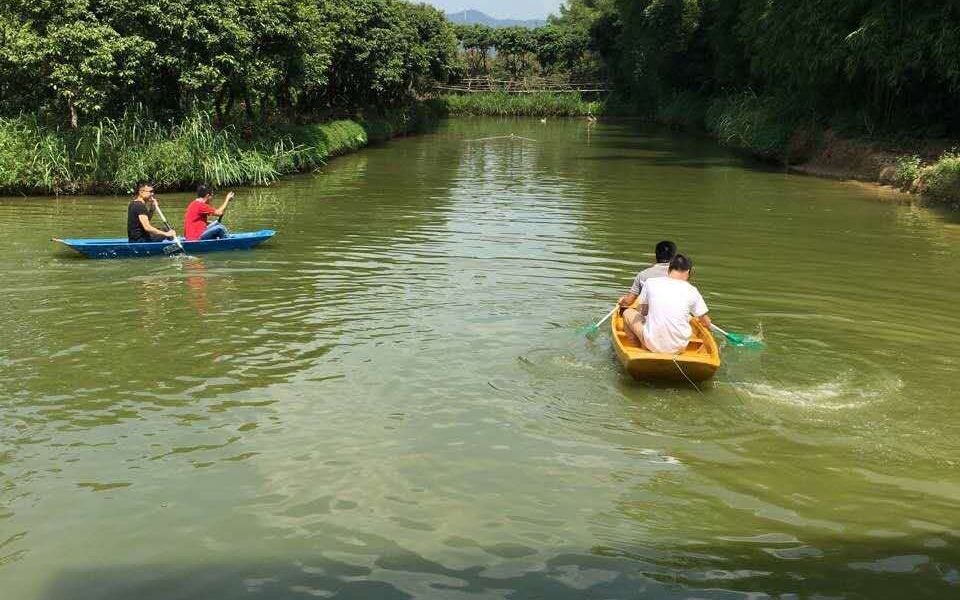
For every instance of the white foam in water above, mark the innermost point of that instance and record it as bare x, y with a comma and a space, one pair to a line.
839, 394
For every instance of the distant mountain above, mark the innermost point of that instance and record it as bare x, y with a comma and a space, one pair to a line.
472, 17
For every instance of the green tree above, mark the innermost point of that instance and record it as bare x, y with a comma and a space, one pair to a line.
83, 59
515, 45
476, 40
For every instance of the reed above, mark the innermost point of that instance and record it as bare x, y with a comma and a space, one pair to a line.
502, 104
758, 125
112, 155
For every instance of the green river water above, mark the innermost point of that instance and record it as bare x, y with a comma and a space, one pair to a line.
388, 400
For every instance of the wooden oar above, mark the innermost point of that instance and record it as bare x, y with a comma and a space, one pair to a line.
591, 329
176, 239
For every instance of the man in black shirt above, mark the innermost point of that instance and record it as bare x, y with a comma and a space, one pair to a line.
139, 212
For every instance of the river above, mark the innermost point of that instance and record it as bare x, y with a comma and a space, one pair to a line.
389, 399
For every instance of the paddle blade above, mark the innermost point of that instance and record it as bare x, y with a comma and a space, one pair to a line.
171, 249
745, 341
588, 330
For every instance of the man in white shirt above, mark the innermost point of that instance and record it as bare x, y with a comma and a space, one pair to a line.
664, 251
662, 323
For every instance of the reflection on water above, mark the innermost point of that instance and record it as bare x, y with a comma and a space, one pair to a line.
197, 286
390, 400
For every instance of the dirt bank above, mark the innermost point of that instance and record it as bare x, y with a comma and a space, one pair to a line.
921, 169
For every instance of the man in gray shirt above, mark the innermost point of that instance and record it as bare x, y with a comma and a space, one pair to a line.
664, 251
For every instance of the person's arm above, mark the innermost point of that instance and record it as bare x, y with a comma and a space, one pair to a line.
698, 308
634, 293
644, 300
145, 223
223, 207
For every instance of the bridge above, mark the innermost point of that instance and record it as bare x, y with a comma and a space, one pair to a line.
532, 85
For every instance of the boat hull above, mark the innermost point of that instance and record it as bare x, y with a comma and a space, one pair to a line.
699, 361
121, 248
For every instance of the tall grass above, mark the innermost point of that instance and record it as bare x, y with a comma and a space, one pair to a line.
114, 154
758, 125
684, 110
502, 104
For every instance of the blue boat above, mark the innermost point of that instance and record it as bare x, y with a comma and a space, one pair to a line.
121, 248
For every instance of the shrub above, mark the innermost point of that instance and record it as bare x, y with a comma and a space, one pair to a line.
906, 171
941, 180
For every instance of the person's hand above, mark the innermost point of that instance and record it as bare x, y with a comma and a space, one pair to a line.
622, 301
230, 196
153, 199
172, 234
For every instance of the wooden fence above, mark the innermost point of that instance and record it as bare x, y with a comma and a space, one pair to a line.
523, 86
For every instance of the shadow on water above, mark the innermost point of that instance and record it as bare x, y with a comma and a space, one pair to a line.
740, 568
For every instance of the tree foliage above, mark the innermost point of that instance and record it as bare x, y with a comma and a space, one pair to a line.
87, 59
557, 48
886, 63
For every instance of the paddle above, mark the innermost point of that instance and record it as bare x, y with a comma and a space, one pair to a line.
169, 249
591, 329
737, 339
230, 196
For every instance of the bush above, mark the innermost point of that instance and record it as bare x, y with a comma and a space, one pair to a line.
906, 171
941, 180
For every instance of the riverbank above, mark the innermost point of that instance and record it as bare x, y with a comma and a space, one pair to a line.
929, 169
111, 156
767, 129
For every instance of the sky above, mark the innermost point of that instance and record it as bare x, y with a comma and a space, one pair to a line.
504, 9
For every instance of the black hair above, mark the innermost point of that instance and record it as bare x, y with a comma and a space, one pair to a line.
140, 185
680, 263
203, 191
665, 251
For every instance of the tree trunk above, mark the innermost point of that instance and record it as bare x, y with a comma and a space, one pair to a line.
218, 105
73, 114
247, 105
264, 107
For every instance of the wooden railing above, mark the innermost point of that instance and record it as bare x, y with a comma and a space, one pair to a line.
530, 85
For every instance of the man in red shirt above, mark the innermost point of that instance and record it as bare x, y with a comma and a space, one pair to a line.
195, 220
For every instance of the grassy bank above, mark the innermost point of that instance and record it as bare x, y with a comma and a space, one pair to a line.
113, 155
767, 128
772, 129
501, 104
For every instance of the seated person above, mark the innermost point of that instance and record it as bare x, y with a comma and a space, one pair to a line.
139, 212
664, 251
195, 220
662, 323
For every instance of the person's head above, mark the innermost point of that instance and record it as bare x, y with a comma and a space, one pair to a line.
665, 251
204, 193
680, 267
144, 190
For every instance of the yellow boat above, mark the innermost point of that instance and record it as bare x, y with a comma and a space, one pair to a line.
698, 361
